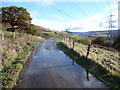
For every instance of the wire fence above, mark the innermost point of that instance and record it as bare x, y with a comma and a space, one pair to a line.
107, 59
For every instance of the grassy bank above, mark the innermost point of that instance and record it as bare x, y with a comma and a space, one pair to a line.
15, 53
16, 48
93, 67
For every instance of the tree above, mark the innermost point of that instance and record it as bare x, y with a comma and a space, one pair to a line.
23, 24
14, 15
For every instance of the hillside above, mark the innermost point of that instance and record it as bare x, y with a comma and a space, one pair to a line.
36, 30
102, 62
16, 48
15, 53
95, 34
32, 56
6, 25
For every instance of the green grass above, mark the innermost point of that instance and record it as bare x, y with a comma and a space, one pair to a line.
11, 72
99, 35
76, 37
48, 35
58, 39
80, 39
94, 68
15, 55
16, 51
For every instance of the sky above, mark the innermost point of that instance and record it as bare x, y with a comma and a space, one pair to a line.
76, 16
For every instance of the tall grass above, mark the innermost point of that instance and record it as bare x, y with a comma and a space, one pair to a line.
101, 63
14, 55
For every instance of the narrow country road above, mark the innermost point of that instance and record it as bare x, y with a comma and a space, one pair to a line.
51, 68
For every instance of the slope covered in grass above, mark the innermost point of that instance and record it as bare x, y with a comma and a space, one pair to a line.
103, 64
15, 53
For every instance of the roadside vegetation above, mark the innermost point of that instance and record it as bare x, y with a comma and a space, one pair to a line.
107, 43
15, 53
18, 39
98, 42
102, 62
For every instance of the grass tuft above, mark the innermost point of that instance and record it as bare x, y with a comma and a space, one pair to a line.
93, 67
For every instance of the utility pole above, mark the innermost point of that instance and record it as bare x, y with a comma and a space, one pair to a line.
118, 18
110, 26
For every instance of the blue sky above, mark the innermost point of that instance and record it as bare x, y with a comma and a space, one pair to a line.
61, 15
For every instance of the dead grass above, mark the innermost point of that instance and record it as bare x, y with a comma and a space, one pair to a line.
14, 54
103, 64
107, 59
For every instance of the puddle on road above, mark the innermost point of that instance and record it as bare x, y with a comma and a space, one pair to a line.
56, 61
65, 56
88, 79
52, 52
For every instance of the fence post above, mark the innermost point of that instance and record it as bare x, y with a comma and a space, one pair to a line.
73, 49
66, 40
88, 50
73, 44
87, 75
2, 35
70, 42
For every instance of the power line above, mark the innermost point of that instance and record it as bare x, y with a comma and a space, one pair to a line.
66, 14
111, 21
78, 8
96, 7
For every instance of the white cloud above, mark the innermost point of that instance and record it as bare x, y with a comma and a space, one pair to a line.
59, 25
55, 25
91, 23
97, 17
34, 13
57, 17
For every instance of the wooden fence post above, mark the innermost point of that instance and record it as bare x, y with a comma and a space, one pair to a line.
66, 40
88, 50
87, 75
2, 35
73, 44
70, 42
63, 39
73, 49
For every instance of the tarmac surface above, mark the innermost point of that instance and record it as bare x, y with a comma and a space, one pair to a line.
51, 68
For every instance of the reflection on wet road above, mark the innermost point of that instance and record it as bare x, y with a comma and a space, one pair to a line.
51, 68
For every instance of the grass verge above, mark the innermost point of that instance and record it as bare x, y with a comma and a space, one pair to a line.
16, 54
94, 68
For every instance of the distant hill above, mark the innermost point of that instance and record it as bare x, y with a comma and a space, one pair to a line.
94, 34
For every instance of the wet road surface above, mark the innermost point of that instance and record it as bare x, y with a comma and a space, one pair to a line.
51, 68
